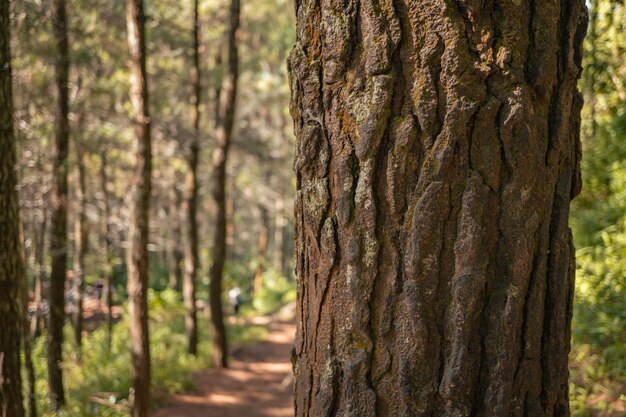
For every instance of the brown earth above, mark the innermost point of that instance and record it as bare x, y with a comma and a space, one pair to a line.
258, 383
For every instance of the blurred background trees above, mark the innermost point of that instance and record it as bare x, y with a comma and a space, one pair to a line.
100, 164
598, 367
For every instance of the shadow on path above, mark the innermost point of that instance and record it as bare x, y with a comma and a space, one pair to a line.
258, 383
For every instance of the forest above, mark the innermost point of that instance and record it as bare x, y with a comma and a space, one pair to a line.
312, 208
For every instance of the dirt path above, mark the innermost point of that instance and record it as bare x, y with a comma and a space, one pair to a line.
258, 383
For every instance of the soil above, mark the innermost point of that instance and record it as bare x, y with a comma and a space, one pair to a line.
257, 384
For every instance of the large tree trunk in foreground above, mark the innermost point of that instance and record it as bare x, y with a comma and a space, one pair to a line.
138, 232
80, 245
223, 132
58, 219
191, 198
438, 151
11, 265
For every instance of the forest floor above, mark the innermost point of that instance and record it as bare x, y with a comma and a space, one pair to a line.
257, 384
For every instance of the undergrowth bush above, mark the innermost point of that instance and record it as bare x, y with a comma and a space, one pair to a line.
103, 374
276, 291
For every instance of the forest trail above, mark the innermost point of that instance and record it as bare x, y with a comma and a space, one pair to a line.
258, 383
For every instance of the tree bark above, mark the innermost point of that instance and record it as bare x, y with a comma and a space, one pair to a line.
191, 198
80, 244
58, 220
223, 132
138, 230
108, 254
11, 263
437, 153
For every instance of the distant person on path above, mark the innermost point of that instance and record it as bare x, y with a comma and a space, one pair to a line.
234, 297
98, 289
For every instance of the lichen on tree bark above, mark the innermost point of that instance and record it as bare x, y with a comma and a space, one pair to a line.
437, 154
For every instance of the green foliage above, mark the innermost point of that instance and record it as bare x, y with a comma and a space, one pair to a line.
598, 359
103, 374
275, 293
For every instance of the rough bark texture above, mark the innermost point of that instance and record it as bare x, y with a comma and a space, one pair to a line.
138, 231
80, 245
11, 267
58, 219
437, 153
191, 198
223, 132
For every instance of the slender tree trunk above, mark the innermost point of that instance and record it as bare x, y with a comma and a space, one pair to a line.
223, 132
191, 198
592, 69
437, 153
173, 254
80, 244
40, 275
138, 231
58, 220
11, 263
108, 254
261, 258
231, 196
278, 256
26, 337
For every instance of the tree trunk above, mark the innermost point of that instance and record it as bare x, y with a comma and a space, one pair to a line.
80, 244
40, 275
278, 258
58, 220
261, 258
26, 336
231, 196
437, 153
138, 230
223, 132
108, 258
173, 254
191, 198
11, 266
591, 71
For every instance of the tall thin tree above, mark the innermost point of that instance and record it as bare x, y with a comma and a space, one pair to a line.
80, 243
106, 237
58, 220
11, 263
262, 244
191, 197
138, 231
437, 153
40, 274
26, 336
223, 133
